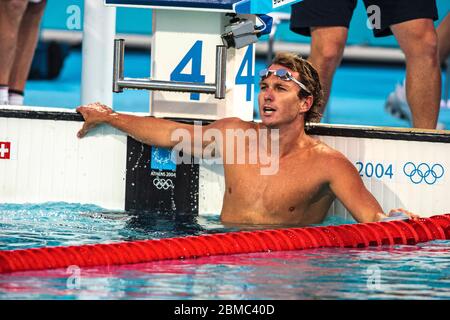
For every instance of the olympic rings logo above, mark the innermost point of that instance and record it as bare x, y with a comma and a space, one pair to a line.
161, 184
423, 172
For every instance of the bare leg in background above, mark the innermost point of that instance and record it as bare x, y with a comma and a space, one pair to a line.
327, 49
26, 45
418, 40
11, 14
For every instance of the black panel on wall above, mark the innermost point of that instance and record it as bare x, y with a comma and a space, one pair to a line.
155, 184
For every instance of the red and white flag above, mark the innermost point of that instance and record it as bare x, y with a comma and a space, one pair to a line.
5, 150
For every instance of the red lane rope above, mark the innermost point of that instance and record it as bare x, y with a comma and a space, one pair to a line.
349, 236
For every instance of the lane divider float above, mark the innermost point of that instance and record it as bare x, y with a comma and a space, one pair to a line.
400, 232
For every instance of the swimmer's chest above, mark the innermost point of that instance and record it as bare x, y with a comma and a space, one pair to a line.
294, 183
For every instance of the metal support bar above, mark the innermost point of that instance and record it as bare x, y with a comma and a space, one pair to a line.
221, 71
218, 88
119, 52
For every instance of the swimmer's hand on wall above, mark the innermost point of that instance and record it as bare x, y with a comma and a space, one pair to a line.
93, 114
398, 214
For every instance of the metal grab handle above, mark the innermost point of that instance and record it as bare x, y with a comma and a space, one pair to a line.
218, 88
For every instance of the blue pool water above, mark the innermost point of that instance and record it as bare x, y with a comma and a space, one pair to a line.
399, 272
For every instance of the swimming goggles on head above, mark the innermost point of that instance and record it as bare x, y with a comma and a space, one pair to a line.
283, 74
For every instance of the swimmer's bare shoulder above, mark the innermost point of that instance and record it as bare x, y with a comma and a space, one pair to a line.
333, 162
232, 123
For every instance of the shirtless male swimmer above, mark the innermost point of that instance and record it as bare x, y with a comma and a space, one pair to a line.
310, 174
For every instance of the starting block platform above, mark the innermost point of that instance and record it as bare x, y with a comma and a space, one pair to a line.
234, 6
199, 48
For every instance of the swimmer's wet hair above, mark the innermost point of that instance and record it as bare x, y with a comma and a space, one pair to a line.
309, 77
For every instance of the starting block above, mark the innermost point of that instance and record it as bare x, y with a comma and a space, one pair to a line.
203, 57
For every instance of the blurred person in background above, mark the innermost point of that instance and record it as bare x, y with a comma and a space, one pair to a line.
410, 21
19, 32
397, 103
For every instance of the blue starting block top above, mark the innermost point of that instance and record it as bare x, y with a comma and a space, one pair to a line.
235, 6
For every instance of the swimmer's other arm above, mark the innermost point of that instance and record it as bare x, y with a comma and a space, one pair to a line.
346, 183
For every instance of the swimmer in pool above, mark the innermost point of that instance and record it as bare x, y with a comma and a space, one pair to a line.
309, 174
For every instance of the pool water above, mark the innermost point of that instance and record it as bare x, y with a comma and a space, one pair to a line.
397, 272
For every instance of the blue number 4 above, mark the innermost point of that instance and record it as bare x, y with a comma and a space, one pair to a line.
194, 55
248, 79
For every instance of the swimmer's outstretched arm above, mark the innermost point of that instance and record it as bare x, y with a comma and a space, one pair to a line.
346, 183
148, 130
